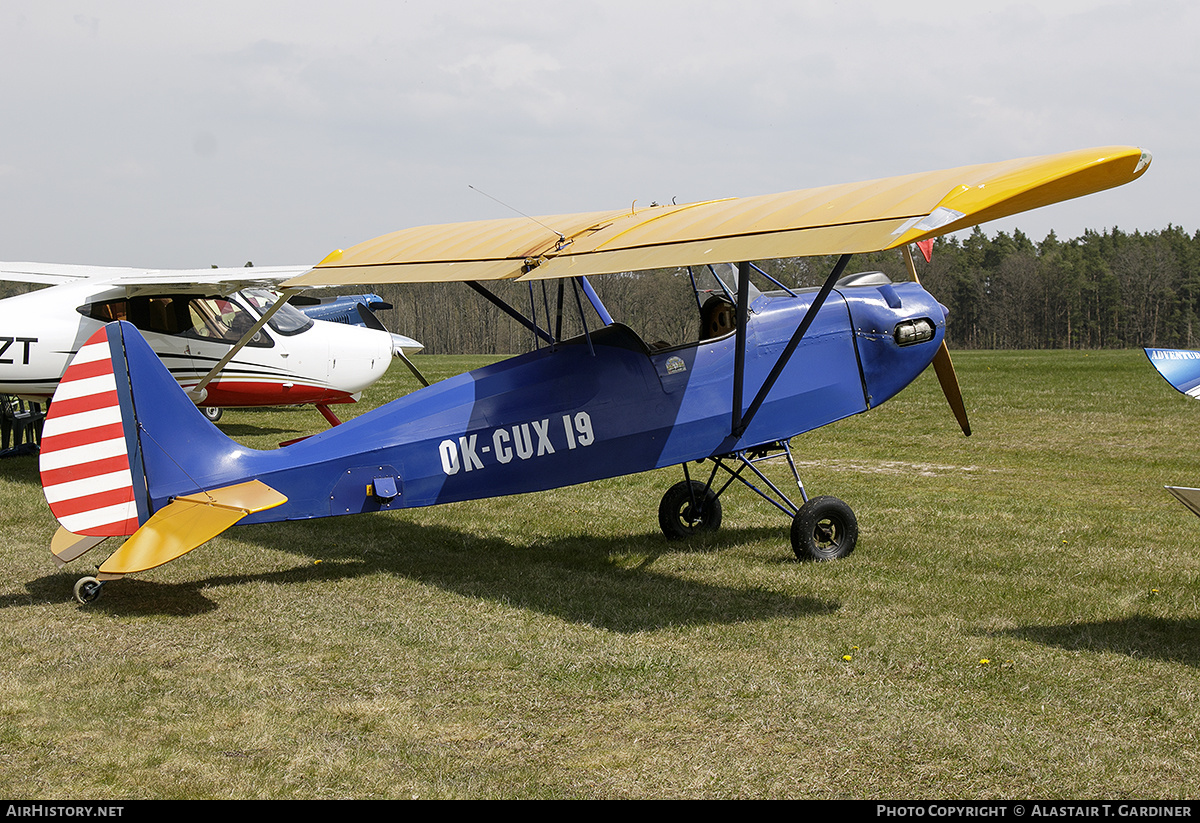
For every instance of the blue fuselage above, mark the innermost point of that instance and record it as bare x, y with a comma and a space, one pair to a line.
584, 410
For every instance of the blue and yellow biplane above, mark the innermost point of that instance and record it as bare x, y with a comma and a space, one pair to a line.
125, 453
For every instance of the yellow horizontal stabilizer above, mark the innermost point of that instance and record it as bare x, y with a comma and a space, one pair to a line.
188, 522
845, 219
250, 497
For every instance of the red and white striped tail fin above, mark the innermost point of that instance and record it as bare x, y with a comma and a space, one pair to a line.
84, 461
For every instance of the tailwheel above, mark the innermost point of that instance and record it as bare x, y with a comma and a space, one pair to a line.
87, 589
689, 507
824, 529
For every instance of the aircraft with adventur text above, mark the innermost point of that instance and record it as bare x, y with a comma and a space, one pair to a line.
194, 320
1180, 368
125, 453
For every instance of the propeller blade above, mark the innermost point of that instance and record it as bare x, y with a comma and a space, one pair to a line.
368, 318
949, 380
416, 372
942, 365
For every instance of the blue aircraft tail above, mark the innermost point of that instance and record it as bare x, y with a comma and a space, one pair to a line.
126, 452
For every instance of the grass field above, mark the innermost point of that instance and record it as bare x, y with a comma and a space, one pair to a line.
1020, 620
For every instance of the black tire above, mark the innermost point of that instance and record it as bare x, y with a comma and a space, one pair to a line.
213, 413
824, 529
680, 517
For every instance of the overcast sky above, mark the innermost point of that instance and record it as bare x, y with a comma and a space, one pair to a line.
172, 134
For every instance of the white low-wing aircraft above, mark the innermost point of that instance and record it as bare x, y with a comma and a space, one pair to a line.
193, 319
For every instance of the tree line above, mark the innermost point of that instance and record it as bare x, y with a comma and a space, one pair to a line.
1109, 289
1106, 289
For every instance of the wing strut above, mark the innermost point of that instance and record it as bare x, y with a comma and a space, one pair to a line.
594, 299
742, 421
511, 312
587, 334
739, 364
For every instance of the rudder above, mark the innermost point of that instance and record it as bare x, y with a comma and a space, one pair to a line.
105, 466
85, 464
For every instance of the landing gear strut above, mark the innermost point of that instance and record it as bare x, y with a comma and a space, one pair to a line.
823, 528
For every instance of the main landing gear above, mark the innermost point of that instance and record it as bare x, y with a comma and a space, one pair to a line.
823, 528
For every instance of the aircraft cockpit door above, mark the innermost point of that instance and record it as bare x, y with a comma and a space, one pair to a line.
297, 352
214, 325
203, 336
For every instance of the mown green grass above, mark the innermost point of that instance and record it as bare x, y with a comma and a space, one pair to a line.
1020, 620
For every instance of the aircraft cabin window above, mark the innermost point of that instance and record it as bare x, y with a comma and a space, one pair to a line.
109, 312
218, 318
207, 318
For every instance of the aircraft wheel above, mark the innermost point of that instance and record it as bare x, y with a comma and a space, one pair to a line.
87, 589
678, 518
213, 413
824, 529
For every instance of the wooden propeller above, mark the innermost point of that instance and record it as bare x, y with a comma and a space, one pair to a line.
942, 365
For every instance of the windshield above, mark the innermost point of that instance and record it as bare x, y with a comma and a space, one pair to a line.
288, 320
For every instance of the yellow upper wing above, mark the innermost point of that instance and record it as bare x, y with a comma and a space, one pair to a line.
850, 218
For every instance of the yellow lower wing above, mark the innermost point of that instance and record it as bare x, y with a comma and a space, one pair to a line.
187, 522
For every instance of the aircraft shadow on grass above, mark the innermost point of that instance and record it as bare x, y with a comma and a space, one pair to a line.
570, 578
1151, 638
22, 469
